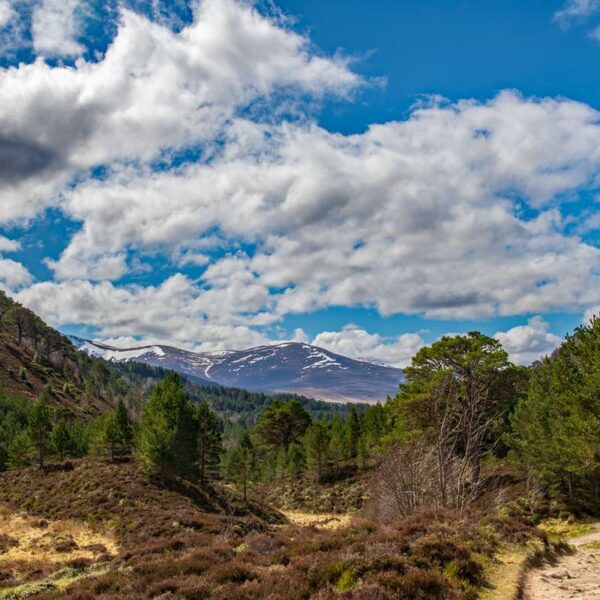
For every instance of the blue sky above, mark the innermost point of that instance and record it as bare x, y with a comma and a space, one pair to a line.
223, 174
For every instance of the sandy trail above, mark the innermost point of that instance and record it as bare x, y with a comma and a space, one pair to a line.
575, 577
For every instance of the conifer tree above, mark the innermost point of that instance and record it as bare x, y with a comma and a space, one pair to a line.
61, 439
316, 440
336, 442
352, 432
40, 428
19, 450
241, 465
282, 423
168, 430
296, 459
124, 428
209, 441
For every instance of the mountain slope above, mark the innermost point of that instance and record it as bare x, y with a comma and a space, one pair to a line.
35, 357
287, 367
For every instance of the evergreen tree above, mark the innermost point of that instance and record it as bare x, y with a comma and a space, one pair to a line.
61, 439
336, 441
124, 429
457, 396
19, 450
241, 464
40, 428
557, 423
352, 432
374, 426
281, 463
210, 444
282, 423
316, 441
168, 430
296, 459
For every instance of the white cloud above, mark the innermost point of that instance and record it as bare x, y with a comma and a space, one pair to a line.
176, 312
574, 9
357, 343
6, 12
527, 343
423, 215
13, 275
153, 91
55, 28
8, 245
414, 216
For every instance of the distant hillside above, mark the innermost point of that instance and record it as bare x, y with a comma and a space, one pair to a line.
33, 357
287, 367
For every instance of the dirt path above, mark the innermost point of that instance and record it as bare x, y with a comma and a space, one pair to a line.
575, 577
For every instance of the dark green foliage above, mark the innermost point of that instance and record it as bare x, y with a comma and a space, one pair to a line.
557, 424
210, 444
241, 463
316, 441
61, 439
239, 409
14, 418
40, 428
19, 450
121, 431
460, 387
282, 423
352, 433
168, 430
296, 459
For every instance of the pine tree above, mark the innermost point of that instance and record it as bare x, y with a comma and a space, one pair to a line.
296, 459
61, 439
316, 441
557, 423
336, 442
168, 430
40, 428
241, 465
352, 432
19, 450
210, 444
124, 429
282, 423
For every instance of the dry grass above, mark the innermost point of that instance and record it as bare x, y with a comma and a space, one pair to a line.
321, 521
53, 542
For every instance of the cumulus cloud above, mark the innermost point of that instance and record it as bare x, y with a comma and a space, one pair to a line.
175, 312
13, 275
357, 343
454, 211
154, 90
414, 216
527, 343
55, 29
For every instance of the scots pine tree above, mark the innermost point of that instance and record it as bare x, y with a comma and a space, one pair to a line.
169, 430
40, 429
210, 444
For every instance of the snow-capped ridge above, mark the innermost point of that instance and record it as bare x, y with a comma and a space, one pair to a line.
294, 367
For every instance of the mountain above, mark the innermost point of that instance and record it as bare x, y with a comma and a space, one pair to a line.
287, 367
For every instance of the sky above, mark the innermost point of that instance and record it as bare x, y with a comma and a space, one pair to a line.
220, 174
